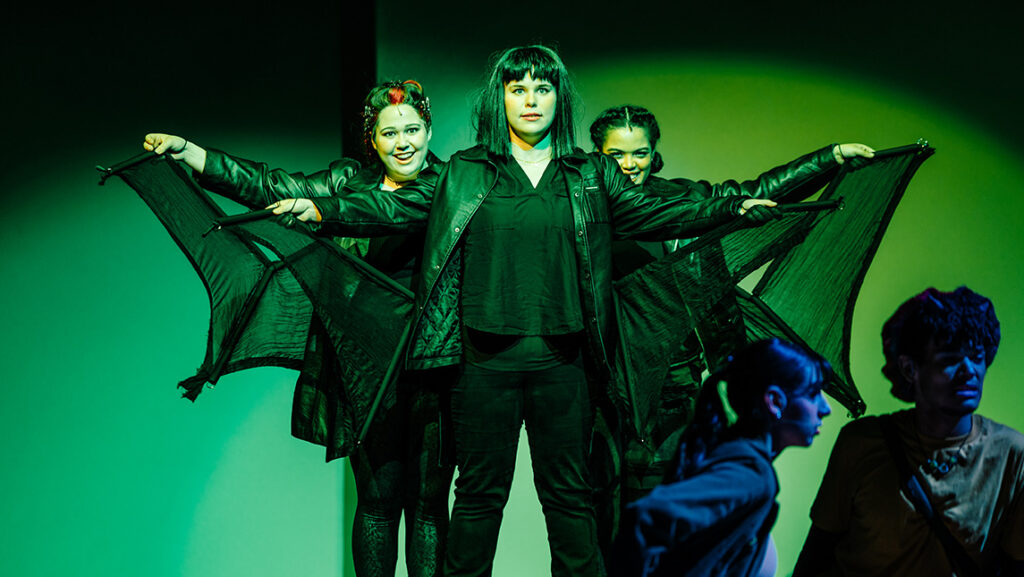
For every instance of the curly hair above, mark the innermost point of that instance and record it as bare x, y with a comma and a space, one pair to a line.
628, 116
951, 320
730, 403
391, 93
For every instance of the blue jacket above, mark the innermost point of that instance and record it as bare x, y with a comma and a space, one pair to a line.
715, 523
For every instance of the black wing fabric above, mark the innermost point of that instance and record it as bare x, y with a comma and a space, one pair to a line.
813, 264
282, 297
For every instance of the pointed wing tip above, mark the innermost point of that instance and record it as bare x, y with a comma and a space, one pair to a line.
193, 385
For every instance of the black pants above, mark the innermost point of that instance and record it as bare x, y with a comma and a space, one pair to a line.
488, 409
399, 469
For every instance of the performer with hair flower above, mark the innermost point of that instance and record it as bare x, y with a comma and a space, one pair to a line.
399, 467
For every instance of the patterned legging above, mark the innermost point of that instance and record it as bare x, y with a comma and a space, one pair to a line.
400, 469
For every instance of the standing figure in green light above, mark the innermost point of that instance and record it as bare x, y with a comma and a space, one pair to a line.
629, 134
516, 291
399, 467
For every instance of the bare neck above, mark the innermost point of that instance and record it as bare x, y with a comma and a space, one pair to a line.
530, 149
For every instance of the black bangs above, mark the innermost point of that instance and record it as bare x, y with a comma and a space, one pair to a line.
818, 376
538, 63
513, 64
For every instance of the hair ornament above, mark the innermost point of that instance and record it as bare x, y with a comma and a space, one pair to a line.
369, 121
723, 396
425, 110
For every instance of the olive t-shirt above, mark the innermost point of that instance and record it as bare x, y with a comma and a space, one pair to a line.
981, 498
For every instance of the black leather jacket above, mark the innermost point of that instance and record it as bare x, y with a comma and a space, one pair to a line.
604, 204
256, 185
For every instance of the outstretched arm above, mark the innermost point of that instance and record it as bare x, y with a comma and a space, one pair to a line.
188, 152
793, 181
368, 211
674, 210
645, 213
254, 184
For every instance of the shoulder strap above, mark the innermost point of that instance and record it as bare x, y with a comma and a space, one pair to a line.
915, 491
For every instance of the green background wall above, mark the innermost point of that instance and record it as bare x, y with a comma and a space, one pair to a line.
106, 471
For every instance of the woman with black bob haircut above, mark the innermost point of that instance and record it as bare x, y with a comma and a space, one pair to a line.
541, 63
714, 511
516, 291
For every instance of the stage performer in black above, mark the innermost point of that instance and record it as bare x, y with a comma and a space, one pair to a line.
516, 290
399, 467
630, 134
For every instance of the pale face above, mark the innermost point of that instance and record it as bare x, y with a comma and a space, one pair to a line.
530, 108
801, 421
949, 381
632, 149
401, 140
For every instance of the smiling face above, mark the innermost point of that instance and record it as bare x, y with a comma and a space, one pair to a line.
631, 148
401, 139
530, 108
947, 380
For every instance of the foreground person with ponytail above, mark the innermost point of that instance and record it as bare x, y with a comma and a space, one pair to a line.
714, 512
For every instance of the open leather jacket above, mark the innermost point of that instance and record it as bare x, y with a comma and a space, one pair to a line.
604, 204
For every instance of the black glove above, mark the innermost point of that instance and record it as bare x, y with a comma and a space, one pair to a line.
760, 214
287, 220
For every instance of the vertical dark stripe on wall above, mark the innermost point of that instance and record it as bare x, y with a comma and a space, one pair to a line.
357, 74
358, 45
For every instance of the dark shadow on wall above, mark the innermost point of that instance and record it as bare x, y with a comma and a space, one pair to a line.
74, 72
960, 58
79, 75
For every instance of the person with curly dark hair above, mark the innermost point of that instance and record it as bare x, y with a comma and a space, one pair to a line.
713, 513
936, 489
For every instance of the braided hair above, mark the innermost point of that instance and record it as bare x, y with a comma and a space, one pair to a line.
628, 116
